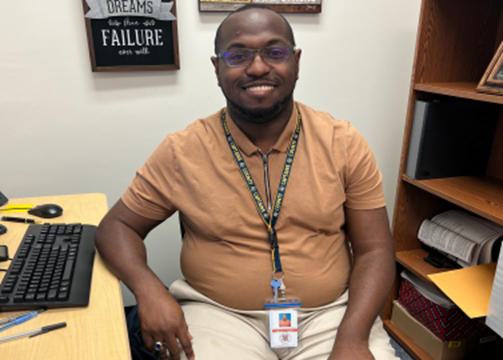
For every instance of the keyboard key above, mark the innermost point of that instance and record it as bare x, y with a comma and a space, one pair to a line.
68, 270
51, 295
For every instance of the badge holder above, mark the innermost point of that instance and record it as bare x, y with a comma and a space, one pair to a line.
283, 321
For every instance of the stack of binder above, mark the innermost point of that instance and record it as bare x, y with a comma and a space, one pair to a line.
450, 138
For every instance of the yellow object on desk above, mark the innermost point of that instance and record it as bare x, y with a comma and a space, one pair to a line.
17, 208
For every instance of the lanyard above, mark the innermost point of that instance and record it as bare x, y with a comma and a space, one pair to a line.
270, 221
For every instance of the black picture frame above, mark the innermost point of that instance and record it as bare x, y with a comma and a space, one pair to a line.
132, 43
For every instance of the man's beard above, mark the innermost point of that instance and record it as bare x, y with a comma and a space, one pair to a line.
259, 115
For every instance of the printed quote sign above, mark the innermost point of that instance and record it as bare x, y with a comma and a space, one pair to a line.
127, 35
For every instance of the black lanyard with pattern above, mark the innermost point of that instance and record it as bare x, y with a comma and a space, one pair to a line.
269, 220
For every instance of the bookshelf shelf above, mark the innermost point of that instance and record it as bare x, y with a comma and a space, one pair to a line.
482, 195
456, 41
405, 342
413, 260
464, 90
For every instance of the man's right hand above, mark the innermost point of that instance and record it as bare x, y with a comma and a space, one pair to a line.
119, 239
162, 319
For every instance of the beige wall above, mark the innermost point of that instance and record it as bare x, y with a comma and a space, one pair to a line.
67, 130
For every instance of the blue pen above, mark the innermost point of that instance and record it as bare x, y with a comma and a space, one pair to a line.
21, 319
12, 318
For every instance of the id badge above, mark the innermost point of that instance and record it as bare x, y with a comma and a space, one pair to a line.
283, 322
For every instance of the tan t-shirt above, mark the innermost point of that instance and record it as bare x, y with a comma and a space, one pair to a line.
226, 250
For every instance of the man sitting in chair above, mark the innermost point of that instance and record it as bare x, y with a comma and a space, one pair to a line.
271, 193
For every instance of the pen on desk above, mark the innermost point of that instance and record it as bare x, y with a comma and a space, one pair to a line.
21, 220
34, 333
21, 319
12, 318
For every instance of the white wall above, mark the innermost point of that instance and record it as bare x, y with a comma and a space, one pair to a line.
67, 130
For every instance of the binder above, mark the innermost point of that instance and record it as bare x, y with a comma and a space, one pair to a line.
450, 138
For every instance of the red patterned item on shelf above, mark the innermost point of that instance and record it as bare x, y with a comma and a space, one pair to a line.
447, 324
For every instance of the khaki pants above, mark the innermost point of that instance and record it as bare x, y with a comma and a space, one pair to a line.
222, 333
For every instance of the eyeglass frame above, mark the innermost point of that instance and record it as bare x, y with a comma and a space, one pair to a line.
292, 50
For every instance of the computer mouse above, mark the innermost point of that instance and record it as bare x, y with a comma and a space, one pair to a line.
46, 211
3, 229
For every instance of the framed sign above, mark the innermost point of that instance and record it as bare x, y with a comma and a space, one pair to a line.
492, 81
301, 6
132, 35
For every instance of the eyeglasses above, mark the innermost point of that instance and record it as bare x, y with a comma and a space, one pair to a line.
272, 55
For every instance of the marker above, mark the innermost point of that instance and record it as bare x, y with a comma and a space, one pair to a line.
21, 319
34, 333
20, 220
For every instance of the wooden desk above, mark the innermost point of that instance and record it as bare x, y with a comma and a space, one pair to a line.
94, 332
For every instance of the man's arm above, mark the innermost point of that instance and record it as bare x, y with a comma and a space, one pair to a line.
119, 239
370, 283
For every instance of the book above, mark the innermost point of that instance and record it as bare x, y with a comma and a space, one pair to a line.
450, 138
467, 239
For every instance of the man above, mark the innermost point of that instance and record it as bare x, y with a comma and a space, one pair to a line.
284, 322
221, 174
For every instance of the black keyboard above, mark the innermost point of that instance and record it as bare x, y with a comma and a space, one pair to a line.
52, 268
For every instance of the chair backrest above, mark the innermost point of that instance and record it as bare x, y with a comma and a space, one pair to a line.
182, 229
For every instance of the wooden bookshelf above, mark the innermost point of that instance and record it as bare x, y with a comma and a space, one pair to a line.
456, 41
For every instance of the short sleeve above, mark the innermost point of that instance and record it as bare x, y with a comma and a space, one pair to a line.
150, 193
363, 183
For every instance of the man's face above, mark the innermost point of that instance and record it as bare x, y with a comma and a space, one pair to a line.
259, 91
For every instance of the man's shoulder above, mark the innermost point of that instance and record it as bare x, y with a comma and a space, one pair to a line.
322, 122
203, 128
